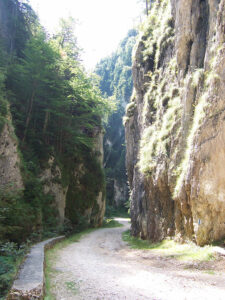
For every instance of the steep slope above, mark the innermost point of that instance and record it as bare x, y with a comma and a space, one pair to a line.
175, 123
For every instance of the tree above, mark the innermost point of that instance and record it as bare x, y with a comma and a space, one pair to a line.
56, 112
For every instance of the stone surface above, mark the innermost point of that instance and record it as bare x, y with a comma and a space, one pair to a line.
51, 178
30, 281
96, 217
10, 175
175, 130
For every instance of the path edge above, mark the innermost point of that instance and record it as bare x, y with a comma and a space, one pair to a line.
37, 292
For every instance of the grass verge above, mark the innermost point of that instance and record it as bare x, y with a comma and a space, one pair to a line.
169, 248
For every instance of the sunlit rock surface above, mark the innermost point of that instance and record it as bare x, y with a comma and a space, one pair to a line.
175, 123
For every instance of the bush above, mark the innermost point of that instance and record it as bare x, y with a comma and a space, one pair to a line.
11, 256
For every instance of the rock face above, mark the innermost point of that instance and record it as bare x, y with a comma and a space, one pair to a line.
175, 123
98, 215
85, 198
51, 179
10, 175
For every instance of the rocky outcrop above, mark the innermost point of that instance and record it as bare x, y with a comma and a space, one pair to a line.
97, 216
175, 123
85, 199
52, 184
10, 174
95, 213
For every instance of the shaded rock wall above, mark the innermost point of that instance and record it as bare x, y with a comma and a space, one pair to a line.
10, 175
85, 198
51, 179
175, 123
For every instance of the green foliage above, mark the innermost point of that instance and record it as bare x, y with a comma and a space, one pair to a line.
162, 103
16, 26
56, 110
111, 223
116, 80
3, 102
157, 32
119, 212
82, 193
115, 70
22, 213
198, 117
10, 258
169, 248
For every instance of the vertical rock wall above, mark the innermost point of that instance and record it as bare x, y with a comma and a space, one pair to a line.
85, 199
175, 123
52, 184
10, 174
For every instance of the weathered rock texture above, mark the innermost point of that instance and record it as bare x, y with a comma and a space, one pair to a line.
10, 175
85, 199
52, 184
175, 123
98, 215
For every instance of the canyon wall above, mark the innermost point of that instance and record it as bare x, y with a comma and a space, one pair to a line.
175, 123
115, 72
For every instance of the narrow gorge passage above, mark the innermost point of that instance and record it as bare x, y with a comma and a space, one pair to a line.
102, 266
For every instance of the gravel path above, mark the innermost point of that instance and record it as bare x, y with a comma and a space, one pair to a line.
102, 266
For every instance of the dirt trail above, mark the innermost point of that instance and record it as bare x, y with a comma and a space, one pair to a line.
102, 266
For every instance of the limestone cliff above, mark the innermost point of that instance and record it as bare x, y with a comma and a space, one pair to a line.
175, 123
85, 198
80, 197
10, 175
70, 196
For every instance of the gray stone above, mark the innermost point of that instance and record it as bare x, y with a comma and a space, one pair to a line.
175, 132
30, 281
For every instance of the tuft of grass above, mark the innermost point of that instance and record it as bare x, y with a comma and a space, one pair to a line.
198, 118
71, 286
210, 272
169, 248
197, 77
